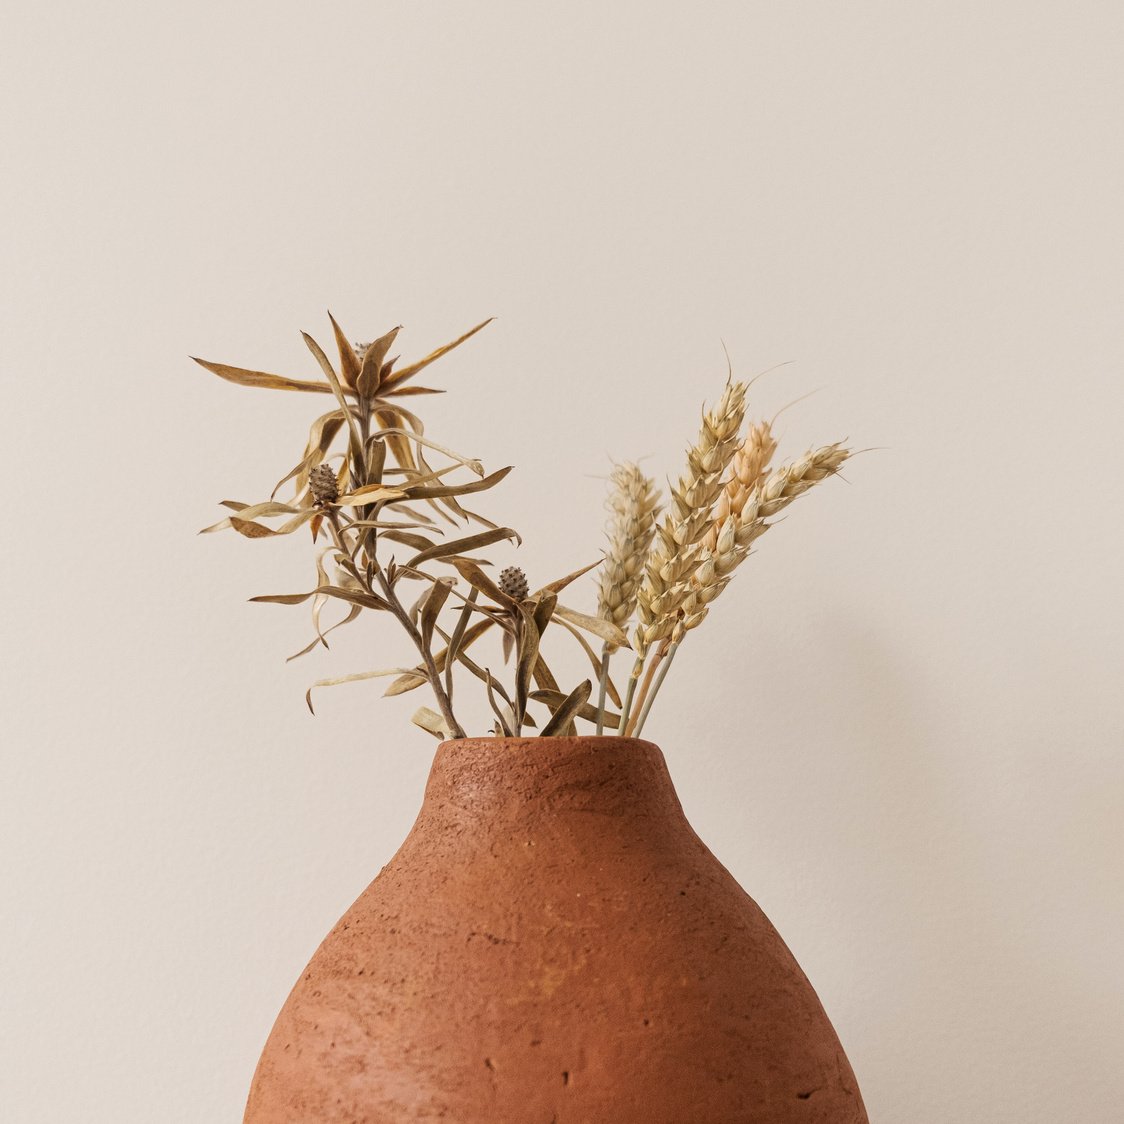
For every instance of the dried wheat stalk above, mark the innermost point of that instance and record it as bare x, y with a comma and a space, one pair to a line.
677, 547
675, 552
734, 532
749, 465
633, 505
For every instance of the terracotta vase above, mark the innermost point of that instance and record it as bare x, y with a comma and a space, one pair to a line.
553, 944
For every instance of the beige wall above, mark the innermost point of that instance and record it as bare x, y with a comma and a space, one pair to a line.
903, 729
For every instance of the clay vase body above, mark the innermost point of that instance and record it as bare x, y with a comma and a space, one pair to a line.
553, 944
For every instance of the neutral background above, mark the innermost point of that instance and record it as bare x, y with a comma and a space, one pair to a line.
903, 729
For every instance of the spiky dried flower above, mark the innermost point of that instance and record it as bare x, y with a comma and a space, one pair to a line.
513, 582
633, 505
323, 484
676, 550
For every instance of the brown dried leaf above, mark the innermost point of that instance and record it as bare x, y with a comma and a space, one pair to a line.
356, 445
404, 373
601, 628
554, 699
431, 491
352, 613
408, 390
476, 578
263, 379
432, 604
462, 546
371, 372
527, 657
560, 584
348, 679
566, 711
417, 677
371, 493
254, 530
349, 361
594, 660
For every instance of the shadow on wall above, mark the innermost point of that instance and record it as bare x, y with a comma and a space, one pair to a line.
978, 923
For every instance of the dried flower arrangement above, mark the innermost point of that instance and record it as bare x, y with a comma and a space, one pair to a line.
658, 577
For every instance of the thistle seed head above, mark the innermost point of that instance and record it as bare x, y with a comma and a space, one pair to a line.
513, 582
323, 485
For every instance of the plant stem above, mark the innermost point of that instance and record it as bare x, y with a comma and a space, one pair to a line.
655, 688
432, 674
656, 661
603, 688
633, 677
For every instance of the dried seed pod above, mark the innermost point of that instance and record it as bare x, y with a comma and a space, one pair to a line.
323, 485
513, 582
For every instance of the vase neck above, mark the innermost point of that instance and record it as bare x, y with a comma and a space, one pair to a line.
493, 780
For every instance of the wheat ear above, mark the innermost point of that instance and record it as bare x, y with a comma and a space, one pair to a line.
735, 533
748, 467
633, 506
676, 548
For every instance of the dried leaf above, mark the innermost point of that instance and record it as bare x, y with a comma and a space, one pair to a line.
476, 578
348, 679
544, 610
262, 379
407, 538
462, 546
352, 613
353, 596
604, 629
349, 361
428, 491
254, 530
526, 658
409, 390
415, 436
370, 374
355, 444
508, 724
409, 681
566, 711
560, 584
594, 659
376, 460
371, 493
432, 604
431, 722
554, 699
453, 644
283, 598
405, 373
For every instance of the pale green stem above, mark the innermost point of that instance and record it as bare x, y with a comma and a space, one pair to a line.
655, 688
633, 679
602, 689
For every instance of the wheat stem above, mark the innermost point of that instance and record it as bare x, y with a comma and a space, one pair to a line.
602, 688
626, 709
656, 660
656, 687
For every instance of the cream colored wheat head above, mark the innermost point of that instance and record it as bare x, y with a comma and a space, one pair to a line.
633, 506
676, 550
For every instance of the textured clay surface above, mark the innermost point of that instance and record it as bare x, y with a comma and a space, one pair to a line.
553, 944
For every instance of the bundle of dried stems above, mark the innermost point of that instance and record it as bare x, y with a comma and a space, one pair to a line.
365, 482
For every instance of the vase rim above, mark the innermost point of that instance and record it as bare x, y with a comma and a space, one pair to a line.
530, 740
